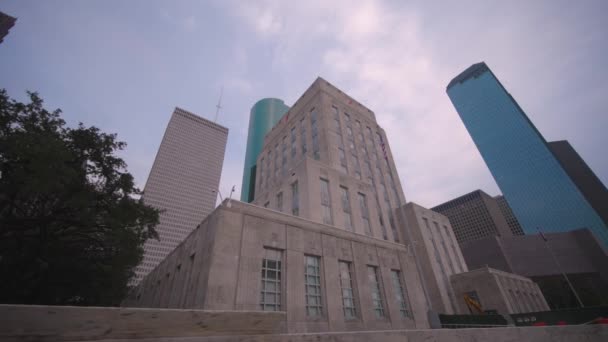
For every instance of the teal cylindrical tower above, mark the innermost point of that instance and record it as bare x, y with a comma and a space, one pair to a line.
264, 115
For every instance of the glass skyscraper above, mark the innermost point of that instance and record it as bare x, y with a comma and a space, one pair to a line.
264, 115
537, 188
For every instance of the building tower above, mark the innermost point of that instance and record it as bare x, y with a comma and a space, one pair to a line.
183, 182
581, 174
263, 116
329, 161
475, 216
537, 187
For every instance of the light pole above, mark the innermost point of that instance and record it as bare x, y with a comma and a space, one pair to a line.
559, 266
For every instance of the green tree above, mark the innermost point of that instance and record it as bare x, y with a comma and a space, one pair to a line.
71, 225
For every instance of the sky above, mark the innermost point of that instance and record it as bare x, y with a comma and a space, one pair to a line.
123, 66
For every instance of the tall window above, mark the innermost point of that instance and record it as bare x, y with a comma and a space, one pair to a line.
364, 214
372, 274
276, 161
312, 282
346, 284
348, 224
347, 118
284, 154
293, 143
356, 164
325, 202
342, 160
295, 203
303, 135
400, 294
261, 172
271, 280
268, 167
280, 201
315, 134
391, 220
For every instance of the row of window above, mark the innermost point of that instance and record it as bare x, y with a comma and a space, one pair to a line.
270, 297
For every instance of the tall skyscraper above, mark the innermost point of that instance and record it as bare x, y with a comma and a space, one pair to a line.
183, 182
581, 174
6, 22
537, 187
329, 161
475, 216
263, 116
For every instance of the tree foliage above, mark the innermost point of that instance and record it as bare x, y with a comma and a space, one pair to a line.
71, 225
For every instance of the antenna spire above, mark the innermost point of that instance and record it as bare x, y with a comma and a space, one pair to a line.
219, 104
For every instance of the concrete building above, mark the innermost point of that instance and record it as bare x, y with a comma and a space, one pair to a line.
330, 162
509, 216
579, 254
532, 179
263, 116
6, 22
496, 291
588, 183
474, 216
437, 251
244, 257
183, 182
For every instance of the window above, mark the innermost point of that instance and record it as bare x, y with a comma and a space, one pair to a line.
268, 167
342, 160
303, 135
391, 221
348, 224
280, 201
346, 117
315, 135
261, 172
372, 274
326, 202
346, 284
400, 294
284, 154
271, 280
358, 123
349, 131
267, 204
276, 161
293, 143
312, 282
364, 214
295, 204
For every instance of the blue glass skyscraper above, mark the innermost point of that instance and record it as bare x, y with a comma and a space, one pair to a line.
537, 188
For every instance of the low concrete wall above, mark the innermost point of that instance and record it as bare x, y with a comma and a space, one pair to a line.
69, 323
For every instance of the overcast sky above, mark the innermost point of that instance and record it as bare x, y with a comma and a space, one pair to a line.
124, 65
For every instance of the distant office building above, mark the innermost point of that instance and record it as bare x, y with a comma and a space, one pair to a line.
493, 291
263, 116
6, 22
509, 216
581, 174
318, 240
531, 178
579, 253
183, 182
474, 216
437, 251
329, 161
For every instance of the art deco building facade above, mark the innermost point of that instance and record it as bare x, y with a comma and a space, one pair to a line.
319, 240
328, 161
183, 182
437, 251
538, 189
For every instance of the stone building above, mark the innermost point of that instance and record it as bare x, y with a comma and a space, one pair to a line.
244, 257
183, 182
497, 291
328, 161
437, 251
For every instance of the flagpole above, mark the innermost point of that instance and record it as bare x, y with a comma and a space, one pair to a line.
559, 266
